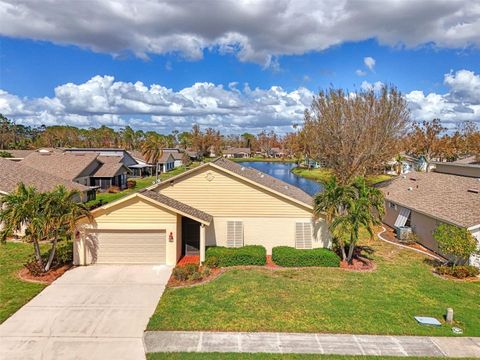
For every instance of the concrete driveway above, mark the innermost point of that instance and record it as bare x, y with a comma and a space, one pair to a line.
93, 312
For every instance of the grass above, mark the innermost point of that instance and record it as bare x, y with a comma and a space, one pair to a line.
323, 175
142, 183
325, 300
14, 293
246, 356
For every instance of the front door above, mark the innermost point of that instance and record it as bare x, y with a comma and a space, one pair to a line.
190, 237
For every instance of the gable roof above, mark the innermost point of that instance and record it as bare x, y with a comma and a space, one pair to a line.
12, 173
65, 165
236, 150
109, 169
254, 176
442, 196
167, 156
166, 202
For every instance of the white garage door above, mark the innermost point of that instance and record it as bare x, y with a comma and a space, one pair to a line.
132, 247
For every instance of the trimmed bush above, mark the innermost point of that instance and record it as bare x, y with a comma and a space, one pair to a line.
131, 184
246, 255
291, 257
460, 272
64, 252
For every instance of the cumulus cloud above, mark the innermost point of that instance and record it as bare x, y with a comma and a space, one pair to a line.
369, 62
234, 108
254, 31
104, 101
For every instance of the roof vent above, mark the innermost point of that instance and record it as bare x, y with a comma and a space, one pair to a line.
242, 168
410, 188
286, 187
475, 191
404, 176
262, 176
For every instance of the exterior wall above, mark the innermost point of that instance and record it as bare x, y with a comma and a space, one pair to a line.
391, 214
268, 219
177, 163
223, 195
470, 171
267, 231
133, 214
424, 226
475, 259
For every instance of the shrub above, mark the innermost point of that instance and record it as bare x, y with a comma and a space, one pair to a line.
64, 253
211, 262
455, 241
96, 204
291, 257
131, 184
206, 271
191, 268
196, 276
460, 272
180, 273
34, 267
113, 189
246, 255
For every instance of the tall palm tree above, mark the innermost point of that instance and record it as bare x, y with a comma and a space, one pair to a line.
152, 150
399, 159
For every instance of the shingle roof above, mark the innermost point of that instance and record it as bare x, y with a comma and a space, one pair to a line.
441, 196
137, 155
236, 150
265, 180
65, 165
20, 154
12, 173
174, 204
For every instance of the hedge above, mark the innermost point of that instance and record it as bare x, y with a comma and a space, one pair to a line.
246, 255
291, 257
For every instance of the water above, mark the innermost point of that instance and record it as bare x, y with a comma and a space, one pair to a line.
282, 171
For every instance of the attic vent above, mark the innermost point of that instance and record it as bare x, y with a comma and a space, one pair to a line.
475, 191
413, 179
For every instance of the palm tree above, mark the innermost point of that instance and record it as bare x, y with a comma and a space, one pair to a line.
48, 216
399, 159
333, 202
152, 150
364, 210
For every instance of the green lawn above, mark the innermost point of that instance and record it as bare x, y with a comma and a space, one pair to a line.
323, 175
14, 293
326, 300
237, 356
141, 184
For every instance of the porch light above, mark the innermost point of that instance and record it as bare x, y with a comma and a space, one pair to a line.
170, 237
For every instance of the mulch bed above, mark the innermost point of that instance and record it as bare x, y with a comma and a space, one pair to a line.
214, 273
358, 264
25, 275
449, 277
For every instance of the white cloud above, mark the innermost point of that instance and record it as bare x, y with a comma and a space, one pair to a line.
255, 31
232, 109
369, 62
104, 101
359, 72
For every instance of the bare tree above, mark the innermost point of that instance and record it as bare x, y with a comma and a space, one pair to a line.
354, 133
425, 140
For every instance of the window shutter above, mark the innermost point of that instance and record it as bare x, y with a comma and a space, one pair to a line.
303, 235
234, 233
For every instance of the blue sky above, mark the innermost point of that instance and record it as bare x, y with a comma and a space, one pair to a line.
55, 69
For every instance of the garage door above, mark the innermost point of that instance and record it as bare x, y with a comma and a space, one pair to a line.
132, 247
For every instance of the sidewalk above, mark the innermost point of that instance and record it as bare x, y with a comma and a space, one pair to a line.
192, 341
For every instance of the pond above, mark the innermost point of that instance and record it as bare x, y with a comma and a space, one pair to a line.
282, 171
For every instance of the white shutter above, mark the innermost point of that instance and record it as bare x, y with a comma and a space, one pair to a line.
402, 217
303, 235
234, 233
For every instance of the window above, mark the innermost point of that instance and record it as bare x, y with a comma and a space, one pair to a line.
303, 235
234, 233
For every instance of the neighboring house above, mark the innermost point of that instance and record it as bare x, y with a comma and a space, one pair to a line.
470, 160
218, 203
13, 173
88, 169
276, 152
165, 163
177, 155
19, 155
422, 201
125, 157
236, 152
409, 164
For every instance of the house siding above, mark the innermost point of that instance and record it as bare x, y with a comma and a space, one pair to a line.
133, 214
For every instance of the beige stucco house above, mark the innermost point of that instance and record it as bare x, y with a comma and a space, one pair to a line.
219, 203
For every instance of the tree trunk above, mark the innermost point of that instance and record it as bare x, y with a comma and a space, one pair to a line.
344, 255
51, 255
156, 173
38, 254
350, 252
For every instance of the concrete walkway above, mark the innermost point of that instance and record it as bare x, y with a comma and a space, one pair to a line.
91, 312
180, 341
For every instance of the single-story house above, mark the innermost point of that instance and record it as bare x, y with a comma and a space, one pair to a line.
218, 203
277, 152
422, 201
236, 152
89, 169
165, 163
177, 155
12, 173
